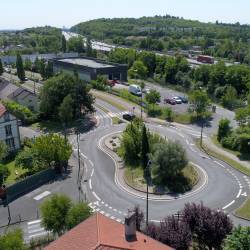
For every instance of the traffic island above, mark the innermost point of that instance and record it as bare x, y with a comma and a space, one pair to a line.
133, 182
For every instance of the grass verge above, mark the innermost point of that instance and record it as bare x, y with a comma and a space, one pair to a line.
116, 120
111, 102
224, 158
244, 210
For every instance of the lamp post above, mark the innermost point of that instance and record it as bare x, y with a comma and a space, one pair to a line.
148, 176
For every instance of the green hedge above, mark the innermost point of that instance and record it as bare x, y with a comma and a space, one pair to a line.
21, 112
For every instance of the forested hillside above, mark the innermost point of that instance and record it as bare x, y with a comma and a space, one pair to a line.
230, 41
40, 39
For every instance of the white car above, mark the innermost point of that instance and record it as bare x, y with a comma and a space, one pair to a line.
177, 100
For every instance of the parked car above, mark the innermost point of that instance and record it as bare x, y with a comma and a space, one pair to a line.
183, 99
128, 116
135, 90
170, 101
177, 100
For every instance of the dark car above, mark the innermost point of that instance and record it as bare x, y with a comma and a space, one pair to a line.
128, 116
183, 99
170, 101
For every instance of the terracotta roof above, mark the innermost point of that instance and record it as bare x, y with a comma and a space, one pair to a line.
101, 233
2, 109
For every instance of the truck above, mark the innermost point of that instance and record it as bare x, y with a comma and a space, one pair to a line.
135, 90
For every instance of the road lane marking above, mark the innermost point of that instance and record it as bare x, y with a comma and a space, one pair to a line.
238, 195
34, 222
96, 196
42, 195
91, 163
84, 156
92, 172
229, 204
90, 184
244, 194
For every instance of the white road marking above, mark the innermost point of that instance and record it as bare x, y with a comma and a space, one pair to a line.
187, 141
84, 156
229, 204
34, 222
96, 196
42, 195
238, 195
92, 172
91, 163
244, 194
119, 220
90, 184
102, 212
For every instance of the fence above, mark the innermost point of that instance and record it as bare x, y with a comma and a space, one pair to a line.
16, 190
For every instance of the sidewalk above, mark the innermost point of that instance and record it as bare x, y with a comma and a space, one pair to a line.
219, 150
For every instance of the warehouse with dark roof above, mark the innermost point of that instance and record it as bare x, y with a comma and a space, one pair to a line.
89, 68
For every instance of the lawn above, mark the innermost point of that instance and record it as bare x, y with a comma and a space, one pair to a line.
244, 211
15, 173
116, 120
182, 183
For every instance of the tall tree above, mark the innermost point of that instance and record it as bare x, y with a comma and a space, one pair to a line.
138, 70
54, 213
1, 67
49, 70
66, 110
20, 68
224, 129
89, 50
145, 147
153, 97
3, 150
64, 44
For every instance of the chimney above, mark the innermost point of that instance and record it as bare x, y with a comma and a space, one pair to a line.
130, 226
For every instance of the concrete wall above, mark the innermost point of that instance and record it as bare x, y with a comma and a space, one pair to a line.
14, 128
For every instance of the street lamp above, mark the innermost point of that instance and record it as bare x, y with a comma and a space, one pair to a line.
148, 176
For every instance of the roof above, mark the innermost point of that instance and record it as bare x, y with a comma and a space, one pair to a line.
91, 63
2, 109
25, 92
6, 88
101, 233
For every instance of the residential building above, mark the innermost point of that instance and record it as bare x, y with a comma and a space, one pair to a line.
9, 129
89, 68
102, 233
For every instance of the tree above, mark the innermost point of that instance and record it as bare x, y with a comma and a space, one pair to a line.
89, 50
230, 98
145, 147
76, 214
4, 173
3, 150
64, 44
209, 227
66, 110
75, 44
12, 241
139, 217
56, 88
138, 70
1, 67
168, 159
239, 239
174, 233
19, 67
54, 213
224, 129
153, 97
200, 102
48, 70
242, 116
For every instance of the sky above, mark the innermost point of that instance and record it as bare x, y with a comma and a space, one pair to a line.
19, 14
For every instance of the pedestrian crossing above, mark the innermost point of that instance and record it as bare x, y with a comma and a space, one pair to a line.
35, 230
111, 114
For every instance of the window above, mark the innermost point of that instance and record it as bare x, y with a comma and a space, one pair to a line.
8, 130
10, 143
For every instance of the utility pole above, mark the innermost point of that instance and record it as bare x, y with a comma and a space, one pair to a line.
147, 181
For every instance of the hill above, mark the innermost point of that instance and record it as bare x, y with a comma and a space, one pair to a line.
230, 41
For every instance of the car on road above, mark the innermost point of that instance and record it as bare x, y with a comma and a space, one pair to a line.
183, 99
128, 116
177, 100
170, 101
135, 90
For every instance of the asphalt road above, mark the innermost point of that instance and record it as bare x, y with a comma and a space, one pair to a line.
222, 187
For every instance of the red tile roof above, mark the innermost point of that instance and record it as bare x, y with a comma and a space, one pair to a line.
101, 233
2, 109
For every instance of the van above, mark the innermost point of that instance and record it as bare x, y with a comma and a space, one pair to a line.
135, 90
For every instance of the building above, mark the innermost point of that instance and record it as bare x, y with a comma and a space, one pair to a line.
21, 95
101, 233
9, 129
89, 68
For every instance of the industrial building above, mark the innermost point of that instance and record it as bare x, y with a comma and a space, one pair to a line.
89, 68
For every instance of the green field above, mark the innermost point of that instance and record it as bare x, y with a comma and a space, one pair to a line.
244, 211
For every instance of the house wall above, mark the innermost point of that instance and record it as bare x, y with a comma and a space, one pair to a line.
5, 120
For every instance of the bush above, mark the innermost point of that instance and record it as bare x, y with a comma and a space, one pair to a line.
168, 114
224, 129
154, 110
21, 112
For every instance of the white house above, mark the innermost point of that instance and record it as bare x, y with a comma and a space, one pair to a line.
9, 130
